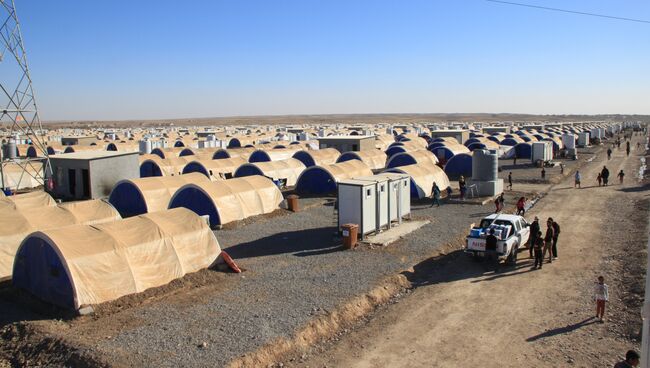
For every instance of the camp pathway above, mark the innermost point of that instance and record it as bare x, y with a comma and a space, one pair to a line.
517, 317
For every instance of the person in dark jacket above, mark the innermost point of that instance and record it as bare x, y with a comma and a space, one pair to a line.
538, 247
548, 240
534, 229
632, 359
435, 194
556, 233
491, 248
604, 173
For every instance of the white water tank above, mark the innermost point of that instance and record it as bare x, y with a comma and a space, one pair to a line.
569, 141
583, 139
10, 149
145, 147
485, 165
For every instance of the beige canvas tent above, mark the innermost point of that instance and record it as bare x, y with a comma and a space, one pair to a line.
27, 200
423, 175
311, 158
16, 178
164, 167
229, 200
410, 158
215, 169
16, 224
324, 179
285, 170
94, 264
138, 196
374, 159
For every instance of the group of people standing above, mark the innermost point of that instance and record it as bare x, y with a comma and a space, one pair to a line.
543, 243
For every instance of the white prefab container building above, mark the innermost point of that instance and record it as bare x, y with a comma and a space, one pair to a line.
542, 151
357, 201
399, 195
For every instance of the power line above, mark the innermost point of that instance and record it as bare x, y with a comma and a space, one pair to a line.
570, 11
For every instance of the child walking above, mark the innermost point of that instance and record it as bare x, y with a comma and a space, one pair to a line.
601, 294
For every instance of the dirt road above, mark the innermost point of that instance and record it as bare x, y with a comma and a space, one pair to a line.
463, 313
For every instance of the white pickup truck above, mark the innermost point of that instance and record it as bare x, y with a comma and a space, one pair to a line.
512, 231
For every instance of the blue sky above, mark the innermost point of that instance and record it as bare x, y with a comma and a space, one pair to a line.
172, 59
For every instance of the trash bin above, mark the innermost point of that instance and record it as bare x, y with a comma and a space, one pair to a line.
292, 203
350, 232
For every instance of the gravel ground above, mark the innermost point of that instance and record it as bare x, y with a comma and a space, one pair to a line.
295, 270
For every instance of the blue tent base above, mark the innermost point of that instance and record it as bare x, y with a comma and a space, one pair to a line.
127, 200
39, 270
197, 201
315, 180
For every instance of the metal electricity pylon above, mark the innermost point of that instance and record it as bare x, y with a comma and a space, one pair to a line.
19, 115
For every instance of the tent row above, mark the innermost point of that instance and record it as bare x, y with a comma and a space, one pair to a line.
282, 169
224, 201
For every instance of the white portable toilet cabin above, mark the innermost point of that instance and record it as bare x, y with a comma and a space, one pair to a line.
399, 195
357, 202
381, 190
583, 139
542, 151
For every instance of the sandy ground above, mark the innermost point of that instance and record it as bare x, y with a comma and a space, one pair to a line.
461, 313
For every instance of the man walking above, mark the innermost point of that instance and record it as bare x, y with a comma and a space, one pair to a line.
534, 230
578, 178
435, 194
510, 180
627, 148
556, 233
609, 153
548, 240
621, 175
605, 175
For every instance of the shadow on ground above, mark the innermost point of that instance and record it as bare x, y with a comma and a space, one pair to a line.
564, 329
457, 266
303, 243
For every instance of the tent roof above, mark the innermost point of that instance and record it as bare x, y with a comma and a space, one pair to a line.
27, 200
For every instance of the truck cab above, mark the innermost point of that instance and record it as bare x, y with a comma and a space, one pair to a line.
512, 231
